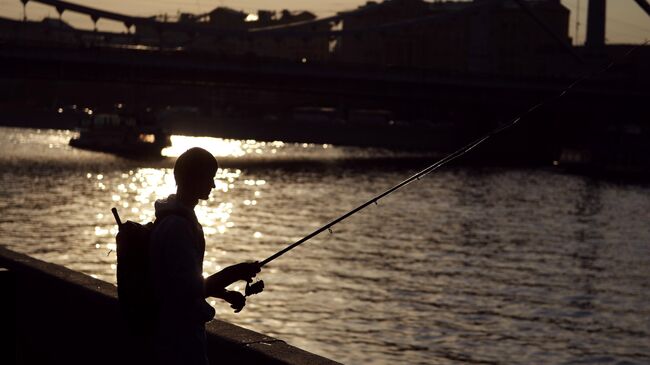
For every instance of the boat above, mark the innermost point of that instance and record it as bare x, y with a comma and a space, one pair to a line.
120, 134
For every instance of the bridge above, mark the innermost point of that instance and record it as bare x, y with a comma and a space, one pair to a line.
254, 97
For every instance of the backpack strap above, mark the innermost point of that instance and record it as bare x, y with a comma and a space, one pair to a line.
180, 213
177, 212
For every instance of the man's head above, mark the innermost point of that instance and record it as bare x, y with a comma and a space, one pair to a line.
194, 172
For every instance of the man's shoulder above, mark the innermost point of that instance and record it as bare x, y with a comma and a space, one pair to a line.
185, 214
172, 219
172, 223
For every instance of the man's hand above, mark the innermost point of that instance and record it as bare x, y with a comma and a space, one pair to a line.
236, 299
245, 271
215, 284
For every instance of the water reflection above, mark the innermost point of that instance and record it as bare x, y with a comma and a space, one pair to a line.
135, 191
221, 147
501, 266
134, 194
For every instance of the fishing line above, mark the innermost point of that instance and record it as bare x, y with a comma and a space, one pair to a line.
454, 155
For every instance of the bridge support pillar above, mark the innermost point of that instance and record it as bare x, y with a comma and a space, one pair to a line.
596, 24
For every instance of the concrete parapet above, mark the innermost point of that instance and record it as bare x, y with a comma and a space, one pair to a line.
65, 317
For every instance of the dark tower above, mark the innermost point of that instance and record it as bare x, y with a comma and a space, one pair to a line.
596, 24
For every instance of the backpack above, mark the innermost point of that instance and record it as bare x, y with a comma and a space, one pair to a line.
135, 290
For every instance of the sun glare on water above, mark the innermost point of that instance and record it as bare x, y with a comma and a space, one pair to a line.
219, 147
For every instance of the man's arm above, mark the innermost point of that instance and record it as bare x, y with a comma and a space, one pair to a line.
215, 284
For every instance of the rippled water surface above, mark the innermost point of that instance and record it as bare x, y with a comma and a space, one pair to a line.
468, 265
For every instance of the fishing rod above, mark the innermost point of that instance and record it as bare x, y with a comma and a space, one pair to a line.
458, 153
376, 199
452, 156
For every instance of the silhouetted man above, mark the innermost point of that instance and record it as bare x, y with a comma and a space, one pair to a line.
177, 250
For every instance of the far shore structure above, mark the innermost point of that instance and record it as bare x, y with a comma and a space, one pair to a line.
478, 36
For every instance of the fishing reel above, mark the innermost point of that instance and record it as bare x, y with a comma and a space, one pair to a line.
238, 303
253, 288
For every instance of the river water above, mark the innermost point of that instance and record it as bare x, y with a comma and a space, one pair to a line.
469, 265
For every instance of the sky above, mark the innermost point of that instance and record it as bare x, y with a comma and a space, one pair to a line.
626, 21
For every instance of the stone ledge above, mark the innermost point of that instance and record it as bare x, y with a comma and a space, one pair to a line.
62, 315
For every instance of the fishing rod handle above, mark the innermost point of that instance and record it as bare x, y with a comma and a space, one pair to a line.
116, 216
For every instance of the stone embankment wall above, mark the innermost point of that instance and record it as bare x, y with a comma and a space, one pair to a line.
53, 315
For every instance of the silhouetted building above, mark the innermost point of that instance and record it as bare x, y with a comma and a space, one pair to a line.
478, 36
226, 18
223, 30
